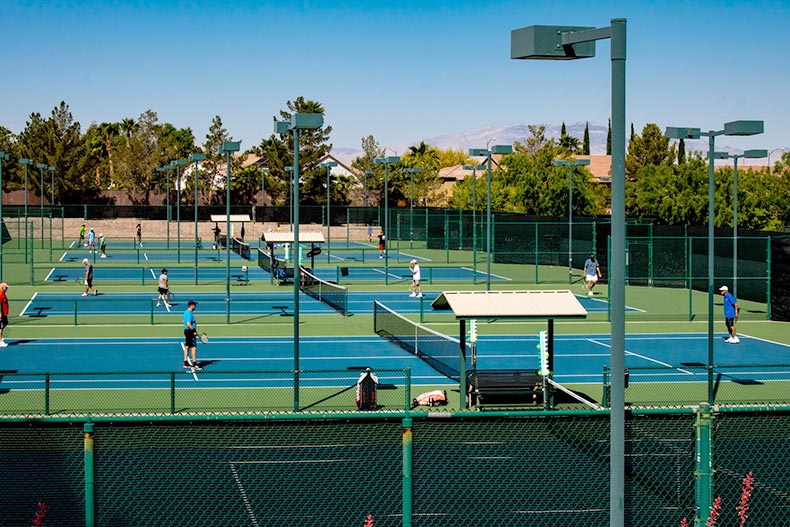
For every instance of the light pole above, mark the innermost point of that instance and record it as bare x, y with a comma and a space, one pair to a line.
386, 162
748, 154
474, 169
166, 170
495, 149
731, 128
299, 121
3, 157
196, 158
26, 162
574, 42
52, 186
178, 163
41, 168
411, 172
328, 165
570, 165
227, 148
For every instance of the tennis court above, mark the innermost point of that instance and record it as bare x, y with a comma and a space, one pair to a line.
149, 255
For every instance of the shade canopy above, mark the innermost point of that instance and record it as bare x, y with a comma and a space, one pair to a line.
510, 304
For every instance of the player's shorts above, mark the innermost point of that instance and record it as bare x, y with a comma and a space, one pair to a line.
89, 282
162, 290
591, 278
3, 322
416, 283
729, 322
381, 246
189, 338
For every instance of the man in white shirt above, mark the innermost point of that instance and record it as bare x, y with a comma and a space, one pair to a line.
416, 289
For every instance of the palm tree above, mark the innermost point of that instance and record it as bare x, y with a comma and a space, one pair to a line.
128, 126
108, 131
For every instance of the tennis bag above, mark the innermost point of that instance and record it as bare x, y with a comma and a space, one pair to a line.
433, 398
367, 386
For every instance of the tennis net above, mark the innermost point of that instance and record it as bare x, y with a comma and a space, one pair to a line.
240, 248
441, 352
333, 295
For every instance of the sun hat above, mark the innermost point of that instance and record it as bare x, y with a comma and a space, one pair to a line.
724, 288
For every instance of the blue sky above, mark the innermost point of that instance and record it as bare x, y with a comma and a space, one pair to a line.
400, 70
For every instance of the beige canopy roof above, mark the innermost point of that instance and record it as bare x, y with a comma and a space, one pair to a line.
234, 218
288, 237
510, 304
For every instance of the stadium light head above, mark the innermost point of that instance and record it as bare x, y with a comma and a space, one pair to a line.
755, 154
412, 170
307, 121
4, 156
744, 128
679, 132
474, 167
328, 164
282, 127
501, 149
230, 147
386, 160
42, 166
721, 155
478, 152
193, 158
549, 43
178, 162
26, 161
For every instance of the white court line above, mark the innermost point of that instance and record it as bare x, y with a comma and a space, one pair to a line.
46, 278
62, 257
243, 493
28, 304
483, 273
399, 277
152, 272
145, 255
649, 359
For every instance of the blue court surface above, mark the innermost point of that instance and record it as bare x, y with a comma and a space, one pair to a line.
258, 303
131, 243
334, 274
578, 359
149, 255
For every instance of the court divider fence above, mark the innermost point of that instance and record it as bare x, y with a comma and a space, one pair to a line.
430, 469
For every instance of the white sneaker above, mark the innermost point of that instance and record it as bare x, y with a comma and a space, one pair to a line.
413, 295
84, 294
734, 340
419, 296
3, 344
103, 256
728, 340
158, 304
589, 293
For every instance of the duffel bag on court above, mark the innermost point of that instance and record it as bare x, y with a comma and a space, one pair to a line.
432, 398
367, 385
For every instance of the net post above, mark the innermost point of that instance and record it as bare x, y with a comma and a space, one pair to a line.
462, 365
46, 392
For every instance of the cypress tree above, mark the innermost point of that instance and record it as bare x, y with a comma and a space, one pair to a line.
681, 152
609, 139
563, 133
586, 140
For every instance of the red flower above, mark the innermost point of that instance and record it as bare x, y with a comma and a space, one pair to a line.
41, 513
746, 493
715, 511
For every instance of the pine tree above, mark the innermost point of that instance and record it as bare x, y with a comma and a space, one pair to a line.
681, 152
563, 133
586, 140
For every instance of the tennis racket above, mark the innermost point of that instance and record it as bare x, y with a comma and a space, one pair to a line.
203, 338
171, 297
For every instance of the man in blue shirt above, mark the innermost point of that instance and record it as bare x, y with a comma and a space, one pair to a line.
731, 312
190, 335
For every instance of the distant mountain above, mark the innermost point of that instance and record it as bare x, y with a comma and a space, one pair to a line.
507, 136
478, 139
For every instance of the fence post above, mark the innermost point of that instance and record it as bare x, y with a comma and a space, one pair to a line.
768, 284
407, 471
46, 393
90, 517
172, 392
704, 468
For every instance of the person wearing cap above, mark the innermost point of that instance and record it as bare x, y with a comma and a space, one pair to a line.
592, 272
91, 241
416, 289
3, 312
731, 312
190, 335
88, 278
103, 245
164, 290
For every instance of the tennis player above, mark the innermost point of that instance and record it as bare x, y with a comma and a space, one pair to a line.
103, 245
592, 272
190, 335
91, 241
82, 235
731, 312
415, 279
164, 289
139, 234
3, 312
382, 241
88, 278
